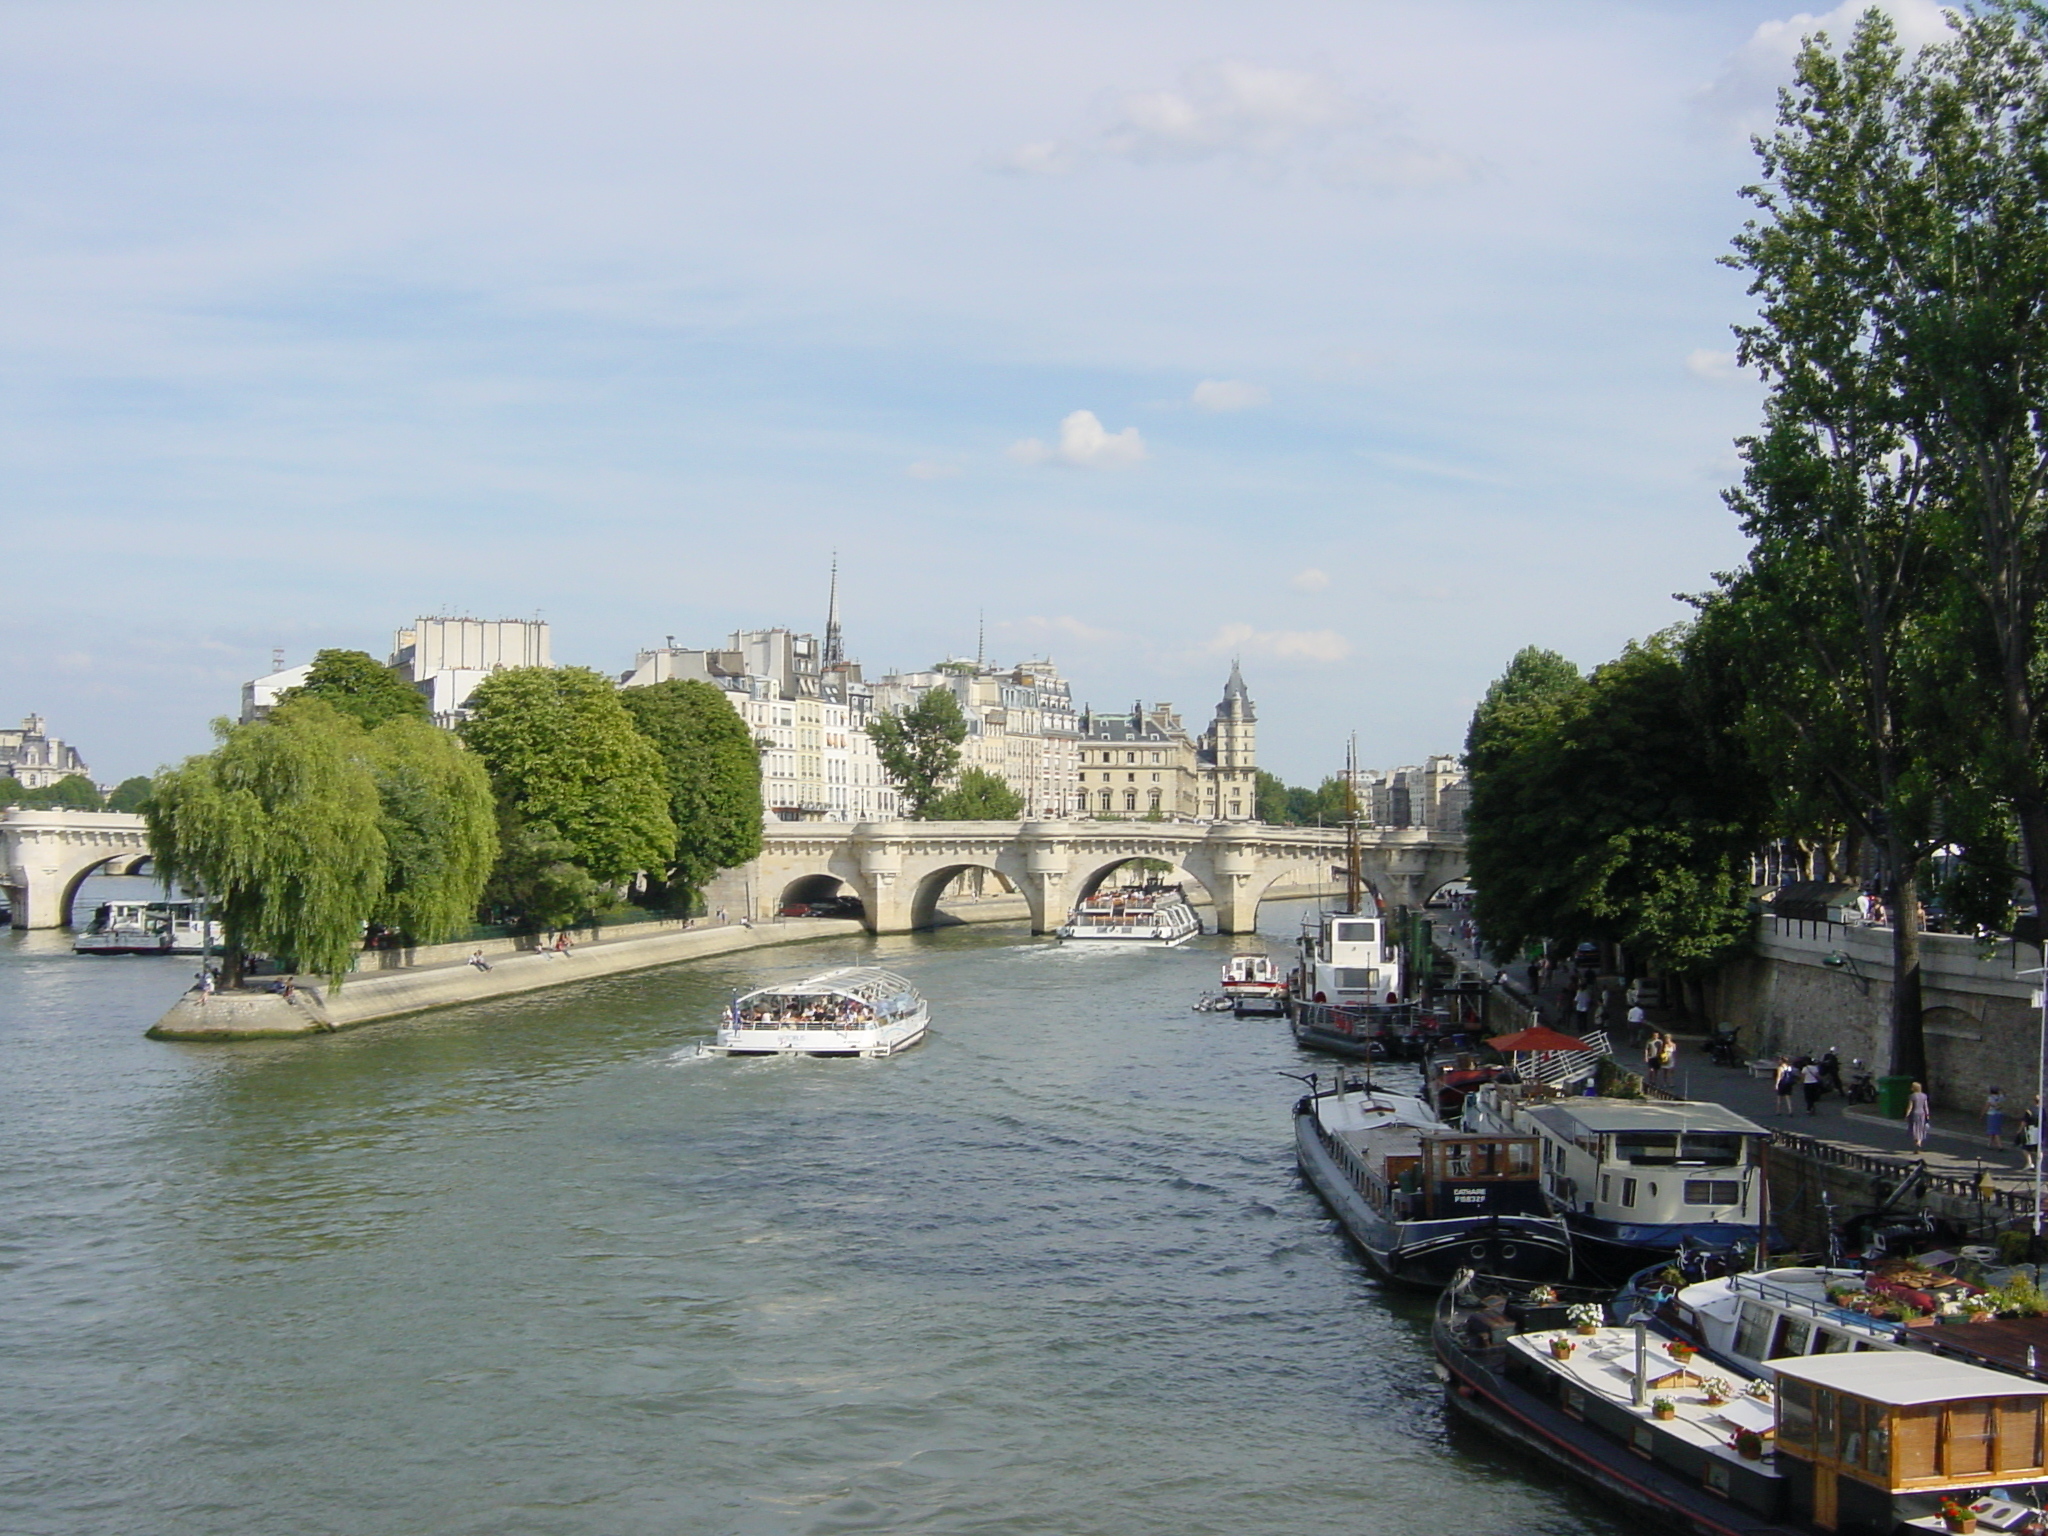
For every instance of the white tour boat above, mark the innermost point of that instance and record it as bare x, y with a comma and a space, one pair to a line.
1253, 984
1153, 913
148, 928
853, 1011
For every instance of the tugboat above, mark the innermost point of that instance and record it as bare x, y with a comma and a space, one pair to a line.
1253, 985
1421, 1199
1152, 913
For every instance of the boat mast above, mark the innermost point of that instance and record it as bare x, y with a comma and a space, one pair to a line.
1352, 894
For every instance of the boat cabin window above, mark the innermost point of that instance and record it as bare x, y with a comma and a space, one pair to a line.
1357, 932
1628, 1191
1898, 1445
1712, 1149
1794, 1333
1356, 978
1646, 1147
1753, 1331
1830, 1342
1606, 1187
1712, 1192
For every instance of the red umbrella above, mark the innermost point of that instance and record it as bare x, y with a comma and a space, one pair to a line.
1540, 1037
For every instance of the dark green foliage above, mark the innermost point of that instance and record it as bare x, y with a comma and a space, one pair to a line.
361, 687
576, 786
979, 796
713, 773
73, 792
128, 795
920, 747
440, 833
11, 792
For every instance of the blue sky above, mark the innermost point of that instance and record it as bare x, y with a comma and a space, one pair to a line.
1368, 342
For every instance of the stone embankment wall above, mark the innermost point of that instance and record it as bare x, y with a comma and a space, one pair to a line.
1810, 1177
1812, 987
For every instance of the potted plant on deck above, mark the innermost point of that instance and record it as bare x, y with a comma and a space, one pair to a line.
1586, 1316
1680, 1351
1958, 1517
1561, 1347
1718, 1390
1663, 1408
1749, 1445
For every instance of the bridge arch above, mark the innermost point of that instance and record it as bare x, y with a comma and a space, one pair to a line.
931, 886
46, 855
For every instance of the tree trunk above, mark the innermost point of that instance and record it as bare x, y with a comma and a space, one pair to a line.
1909, 1042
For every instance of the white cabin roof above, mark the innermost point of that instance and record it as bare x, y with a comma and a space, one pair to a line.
1902, 1378
1605, 1116
866, 982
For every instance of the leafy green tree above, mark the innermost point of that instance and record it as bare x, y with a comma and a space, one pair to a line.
128, 795
979, 796
919, 747
1271, 797
713, 772
280, 827
361, 687
576, 785
440, 830
12, 792
73, 792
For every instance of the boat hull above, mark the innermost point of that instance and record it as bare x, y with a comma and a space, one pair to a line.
1533, 1249
1618, 1250
866, 1044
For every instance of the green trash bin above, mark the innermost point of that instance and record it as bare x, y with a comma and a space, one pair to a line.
1892, 1094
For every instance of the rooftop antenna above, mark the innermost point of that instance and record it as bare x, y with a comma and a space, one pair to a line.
835, 650
277, 658
980, 638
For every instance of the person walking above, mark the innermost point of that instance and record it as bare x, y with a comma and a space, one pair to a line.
1653, 1058
1667, 1061
1917, 1112
1810, 1083
1994, 1115
1786, 1080
2030, 1131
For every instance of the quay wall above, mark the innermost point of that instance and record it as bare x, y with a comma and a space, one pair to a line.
1980, 1017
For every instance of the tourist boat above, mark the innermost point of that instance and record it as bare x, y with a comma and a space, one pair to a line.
1422, 1199
1253, 984
1872, 1442
1152, 913
1637, 1180
852, 1011
148, 928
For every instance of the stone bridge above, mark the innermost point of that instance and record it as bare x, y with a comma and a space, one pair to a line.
898, 869
45, 855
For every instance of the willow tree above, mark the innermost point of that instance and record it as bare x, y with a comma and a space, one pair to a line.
281, 829
582, 806
440, 830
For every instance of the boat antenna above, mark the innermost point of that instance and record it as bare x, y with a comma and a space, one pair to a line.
1351, 847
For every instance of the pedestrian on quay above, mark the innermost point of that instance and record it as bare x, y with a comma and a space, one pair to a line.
1667, 1062
562, 944
1918, 1110
2030, 1131
1785, 1080
1994, 1115
1810, 1083
1653, 1058
476, 958
1638, 1022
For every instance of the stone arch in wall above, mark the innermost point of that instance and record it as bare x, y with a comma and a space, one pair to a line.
820, 886
931, 886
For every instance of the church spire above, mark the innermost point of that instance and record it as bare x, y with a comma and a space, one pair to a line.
835, 650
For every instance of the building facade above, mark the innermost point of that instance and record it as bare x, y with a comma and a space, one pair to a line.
1145, 763
446, 658
1021, 727
35, 759
1432, 795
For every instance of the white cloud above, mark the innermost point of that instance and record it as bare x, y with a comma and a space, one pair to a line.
1227, 395
1084, 441
1261, 117
929, 469
1744, 95
1310, 580
1717, 367
1279, 644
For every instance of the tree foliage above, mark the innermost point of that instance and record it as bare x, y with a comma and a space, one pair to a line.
281, 829
919, 747
129, 795
713, 774
582, 799
440, 834
73, 792
979, 796
361, 687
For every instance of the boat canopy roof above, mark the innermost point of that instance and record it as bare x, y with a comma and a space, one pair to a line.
1604, 1116
865, 983
1903, 1378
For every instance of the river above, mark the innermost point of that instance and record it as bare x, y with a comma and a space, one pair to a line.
534, 1267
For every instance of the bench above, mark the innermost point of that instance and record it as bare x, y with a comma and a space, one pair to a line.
1763, 1067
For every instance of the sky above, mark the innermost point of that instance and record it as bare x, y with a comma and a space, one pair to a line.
1365, 342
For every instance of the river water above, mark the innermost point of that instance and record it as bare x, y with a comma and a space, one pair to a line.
534, 1267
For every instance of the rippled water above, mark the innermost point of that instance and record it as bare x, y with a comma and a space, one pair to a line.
533, 1267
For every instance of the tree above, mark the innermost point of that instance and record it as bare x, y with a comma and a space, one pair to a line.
440, 833
128, 795
979, 796
920, 747
575, 784
1271, 797
12, 792
280, 828
361, 687
713, 774
73, 792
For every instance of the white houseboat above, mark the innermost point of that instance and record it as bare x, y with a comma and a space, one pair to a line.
1152, 913
1253, 984
148, 928
852, 1011
1637, 1179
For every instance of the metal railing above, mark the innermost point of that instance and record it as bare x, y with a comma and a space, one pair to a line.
2019, 1202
